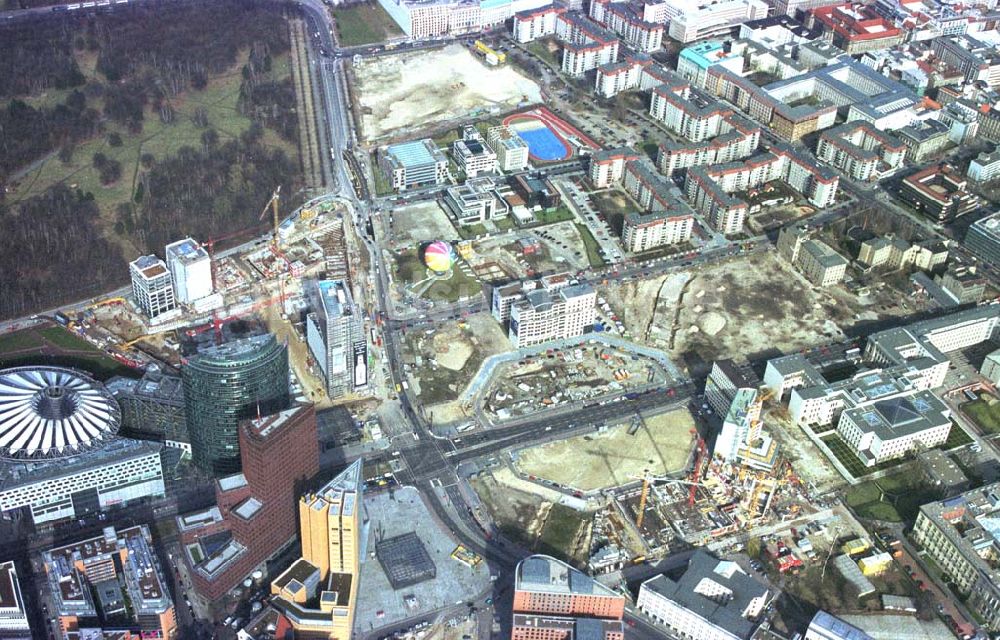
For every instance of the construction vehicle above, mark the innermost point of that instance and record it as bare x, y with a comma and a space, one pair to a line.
488, 51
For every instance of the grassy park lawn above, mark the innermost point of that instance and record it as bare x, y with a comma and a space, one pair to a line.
364, 23
985, 412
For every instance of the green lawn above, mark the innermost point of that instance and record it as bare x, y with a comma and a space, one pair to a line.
364, 24
55, 346
540, 48
957, 437
894, 498
472, 230
383, 186
66, 340
504, 224
552, 216
411, 269
984, 414
590, 243
561, 527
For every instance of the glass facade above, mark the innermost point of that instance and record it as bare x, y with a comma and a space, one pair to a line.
228, 383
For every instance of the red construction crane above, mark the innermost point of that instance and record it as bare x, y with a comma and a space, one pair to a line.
698, 463
218, 321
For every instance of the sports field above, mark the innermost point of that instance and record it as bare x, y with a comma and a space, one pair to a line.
611, 458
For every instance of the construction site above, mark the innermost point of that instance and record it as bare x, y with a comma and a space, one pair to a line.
567, 376
719, 311
403, 93
526, 253
616, 455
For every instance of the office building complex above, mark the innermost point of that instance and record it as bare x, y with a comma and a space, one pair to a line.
552, 599
475, 201
889, 408
963, 283
429, 18
820, 264
983, 238
152, 286
413, 164
60, 456
545, 314
924, 139
894, 426
713, 600
698, 20
318, 593
254, 517
225, 384
856, 28
985, 167
939, 193
96, 583
978, 60
13, 614
152, 407
511, 149
190, 270
336, 337
471, 155
962, 536
860, 150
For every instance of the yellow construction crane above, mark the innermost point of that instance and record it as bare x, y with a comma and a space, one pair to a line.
126, 345
273, 205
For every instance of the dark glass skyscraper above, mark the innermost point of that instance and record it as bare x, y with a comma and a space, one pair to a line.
228, 383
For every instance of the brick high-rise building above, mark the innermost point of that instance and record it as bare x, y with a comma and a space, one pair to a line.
258, 506
551, 599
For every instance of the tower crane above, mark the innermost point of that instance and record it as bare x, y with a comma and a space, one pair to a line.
272, 204
647, 480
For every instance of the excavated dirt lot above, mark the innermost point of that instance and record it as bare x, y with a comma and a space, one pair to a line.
410, 91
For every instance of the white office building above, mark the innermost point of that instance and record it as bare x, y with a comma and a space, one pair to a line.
336, 338
713, 600
510, 148
13, 614
190, 270
985, 167
545, 315
152, 285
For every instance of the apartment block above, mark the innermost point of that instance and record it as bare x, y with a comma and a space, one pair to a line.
535, 23
646, 231
13, 613
708, 188
985, 167
607, 166
860, 150
471, 155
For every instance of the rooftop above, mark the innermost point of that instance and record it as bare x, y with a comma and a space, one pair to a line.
718, 591
417, 153
539, 573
